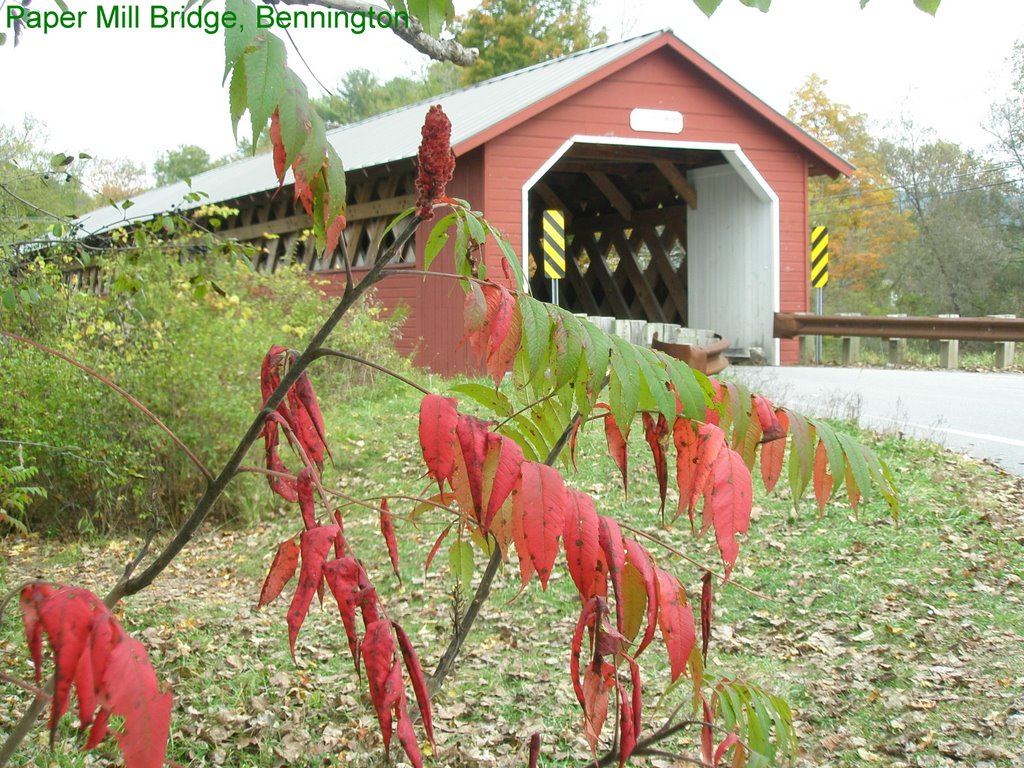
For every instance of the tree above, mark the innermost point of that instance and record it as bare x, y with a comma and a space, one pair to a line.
184, 162
561, 369
38, 190
115, 178
360, 94
866, 226
512, 34
957, 202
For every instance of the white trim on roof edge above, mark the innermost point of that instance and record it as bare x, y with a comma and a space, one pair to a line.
733, 154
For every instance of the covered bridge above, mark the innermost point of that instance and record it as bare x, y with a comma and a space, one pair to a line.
685, 196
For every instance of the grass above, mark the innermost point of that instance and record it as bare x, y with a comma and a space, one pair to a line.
898, 646
974, 355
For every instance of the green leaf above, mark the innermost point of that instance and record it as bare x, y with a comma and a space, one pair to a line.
883, 480
856, 461
476, 230
488, 397
436, 240
264, 80
657, 379
566, 344
708, 7
836, 465
9, 298
536, 335
690, 392
311, 156
625, 383
510, 431
510, 256
293, 115
928, 6
397, 220
433, 14
236, 97
460, 560
335, 184
801, 456
238, 38
533, 436
597, 346
761, 5
739, 411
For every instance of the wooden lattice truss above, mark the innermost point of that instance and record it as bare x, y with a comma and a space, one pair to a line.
284, 231
625, 229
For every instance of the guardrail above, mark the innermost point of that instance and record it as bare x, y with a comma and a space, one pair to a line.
949, 330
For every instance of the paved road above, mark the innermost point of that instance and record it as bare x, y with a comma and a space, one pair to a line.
978, 413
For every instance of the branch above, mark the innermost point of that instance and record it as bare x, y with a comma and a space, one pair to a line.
129, 585
414, 35
363, 361
143, 409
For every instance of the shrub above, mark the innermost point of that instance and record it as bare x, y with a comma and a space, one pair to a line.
182, 335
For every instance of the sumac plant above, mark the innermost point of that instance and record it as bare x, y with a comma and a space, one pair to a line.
505, 486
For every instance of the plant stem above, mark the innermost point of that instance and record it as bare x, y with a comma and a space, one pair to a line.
128, 584
370, 364
123, 393
483, 589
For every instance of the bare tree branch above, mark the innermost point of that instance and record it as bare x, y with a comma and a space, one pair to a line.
414, 35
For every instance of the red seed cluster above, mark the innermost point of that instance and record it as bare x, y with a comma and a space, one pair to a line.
436, 161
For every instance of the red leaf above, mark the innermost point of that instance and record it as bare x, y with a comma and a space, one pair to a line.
418, 680
823, 479
596, 685
684, 435
281, 571
406, 735
534, 739
502, 472
657, 437
129, 689
474, 316
617, 447
706, 598
538, 519
711, 443
610, 538
436, 547
472, 435
308, 419
280, 155
497, 337
771, 427
729, 741
342, 576
627, 727
438, 418
67, 618
383, 674
387, 530
729, 498
640, 559
675, 617
589, 615
304, 488
315, 544
582, 543
773, 454
706, 735
32, 597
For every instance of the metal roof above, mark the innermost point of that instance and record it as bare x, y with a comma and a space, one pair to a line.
385, 138
395, 135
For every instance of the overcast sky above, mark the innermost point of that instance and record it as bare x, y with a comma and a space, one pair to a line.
136, 92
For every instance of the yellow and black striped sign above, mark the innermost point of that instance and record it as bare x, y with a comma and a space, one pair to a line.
553, 241
819, 257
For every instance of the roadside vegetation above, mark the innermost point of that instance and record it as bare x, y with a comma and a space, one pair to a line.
896, 646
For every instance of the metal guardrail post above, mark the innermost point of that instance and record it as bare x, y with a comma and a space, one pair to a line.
949, 351
1005, 350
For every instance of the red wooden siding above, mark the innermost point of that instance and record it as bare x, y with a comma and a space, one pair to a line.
433, 328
